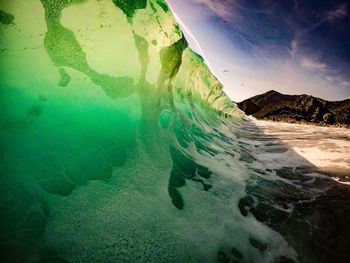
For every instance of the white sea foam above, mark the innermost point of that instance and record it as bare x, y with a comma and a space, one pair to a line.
326, 148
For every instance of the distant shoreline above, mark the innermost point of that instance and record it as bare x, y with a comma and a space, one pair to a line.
338, 125
300, 109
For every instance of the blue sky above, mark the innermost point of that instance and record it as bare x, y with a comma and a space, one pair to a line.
252, 46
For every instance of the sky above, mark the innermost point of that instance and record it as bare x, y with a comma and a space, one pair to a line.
252, 46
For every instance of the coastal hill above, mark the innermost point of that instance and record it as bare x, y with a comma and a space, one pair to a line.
276, 106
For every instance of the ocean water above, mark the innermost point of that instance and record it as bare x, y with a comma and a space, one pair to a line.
117, 144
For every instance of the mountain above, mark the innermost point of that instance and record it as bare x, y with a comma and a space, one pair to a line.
276, 106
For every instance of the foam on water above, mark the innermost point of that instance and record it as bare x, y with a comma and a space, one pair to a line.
324, 147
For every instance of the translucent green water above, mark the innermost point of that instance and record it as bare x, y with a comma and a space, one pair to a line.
115, 139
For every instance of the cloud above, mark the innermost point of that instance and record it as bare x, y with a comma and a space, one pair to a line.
304, 58
316, 67
337, 80
337, 13
294, 46
312, 64
230, 9
296, 5
218, 8
331, 77
221, 8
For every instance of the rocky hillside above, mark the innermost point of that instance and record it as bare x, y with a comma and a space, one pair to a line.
275, 106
